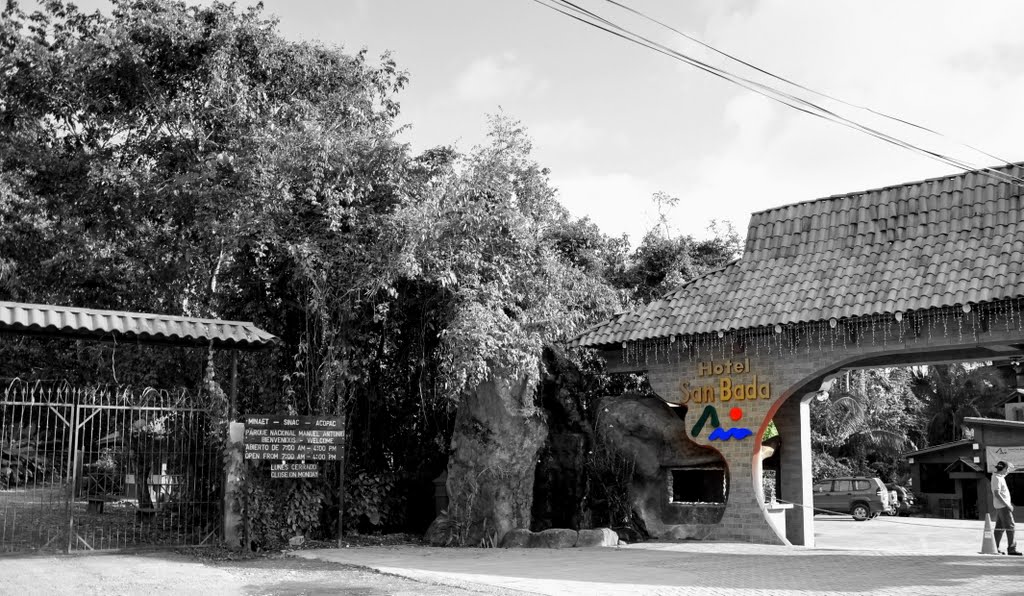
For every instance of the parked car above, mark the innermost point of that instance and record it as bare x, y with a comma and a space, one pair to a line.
906, 504
863, 498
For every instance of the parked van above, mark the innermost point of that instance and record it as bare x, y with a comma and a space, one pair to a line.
863, 498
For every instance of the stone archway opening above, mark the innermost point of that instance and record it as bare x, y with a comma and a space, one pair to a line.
967, 499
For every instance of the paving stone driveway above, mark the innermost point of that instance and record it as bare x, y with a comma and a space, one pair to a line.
897, 566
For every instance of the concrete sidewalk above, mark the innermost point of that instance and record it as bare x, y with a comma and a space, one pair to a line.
719, 569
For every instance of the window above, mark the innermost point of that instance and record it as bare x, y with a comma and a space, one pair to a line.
844, 486
823, 487
861, 485
697, 485
934, 479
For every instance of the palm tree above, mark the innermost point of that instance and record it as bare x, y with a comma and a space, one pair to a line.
850, 421
952, 392
865, 420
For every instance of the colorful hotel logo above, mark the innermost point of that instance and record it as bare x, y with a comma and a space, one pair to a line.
725, 388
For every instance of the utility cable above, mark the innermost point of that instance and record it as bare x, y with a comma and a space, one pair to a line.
765, 90
803, 87
592, 19
775, 94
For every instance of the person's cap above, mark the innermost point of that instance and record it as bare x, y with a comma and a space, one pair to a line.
1001, 466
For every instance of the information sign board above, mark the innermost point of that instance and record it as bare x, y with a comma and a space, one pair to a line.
286, 438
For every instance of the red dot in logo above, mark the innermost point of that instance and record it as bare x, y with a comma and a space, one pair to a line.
736, 413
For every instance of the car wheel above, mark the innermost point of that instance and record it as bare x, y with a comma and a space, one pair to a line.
893, 512
860, 512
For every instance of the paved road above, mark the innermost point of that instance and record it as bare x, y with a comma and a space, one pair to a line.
699, 569
897, 556
893, 556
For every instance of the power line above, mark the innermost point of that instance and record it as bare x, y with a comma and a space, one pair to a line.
576, 12
803, 87
762, 89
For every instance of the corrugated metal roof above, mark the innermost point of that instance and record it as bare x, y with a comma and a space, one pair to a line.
942, 242
935, 448
67, 321
973, 421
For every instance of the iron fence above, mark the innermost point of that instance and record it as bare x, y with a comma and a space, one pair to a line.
105, 468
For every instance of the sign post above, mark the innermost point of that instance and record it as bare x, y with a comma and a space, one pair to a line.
293, 444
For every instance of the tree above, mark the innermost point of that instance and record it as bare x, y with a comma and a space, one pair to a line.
484, 238
663, 261
952, 392
188, 160
863, 426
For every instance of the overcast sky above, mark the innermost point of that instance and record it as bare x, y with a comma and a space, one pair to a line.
615, 122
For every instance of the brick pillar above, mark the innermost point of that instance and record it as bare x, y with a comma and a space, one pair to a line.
793, 420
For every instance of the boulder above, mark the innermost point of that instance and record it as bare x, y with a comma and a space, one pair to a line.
554, 538
498, 432
516, 538
628, 535
597, 537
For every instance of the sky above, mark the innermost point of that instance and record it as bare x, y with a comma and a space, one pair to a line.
615, 122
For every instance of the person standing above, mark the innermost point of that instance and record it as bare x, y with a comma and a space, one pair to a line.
1004, 507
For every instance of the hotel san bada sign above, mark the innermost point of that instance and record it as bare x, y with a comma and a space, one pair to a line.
725, 385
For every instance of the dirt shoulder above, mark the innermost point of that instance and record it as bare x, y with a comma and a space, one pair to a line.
207, 571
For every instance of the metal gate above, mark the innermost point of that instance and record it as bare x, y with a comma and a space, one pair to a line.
105, 468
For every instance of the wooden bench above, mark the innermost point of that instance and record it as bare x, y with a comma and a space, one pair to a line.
96, 502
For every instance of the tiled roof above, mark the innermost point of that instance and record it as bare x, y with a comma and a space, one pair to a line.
65, 321
941, 242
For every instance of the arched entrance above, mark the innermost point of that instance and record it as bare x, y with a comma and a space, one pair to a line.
920, 273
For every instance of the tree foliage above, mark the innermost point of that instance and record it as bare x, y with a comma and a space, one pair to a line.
952, 392
869, 418
189, 160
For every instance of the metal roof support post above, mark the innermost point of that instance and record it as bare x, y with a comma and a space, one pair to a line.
232, 461
233, 403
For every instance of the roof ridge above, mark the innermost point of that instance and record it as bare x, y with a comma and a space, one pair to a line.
846, 195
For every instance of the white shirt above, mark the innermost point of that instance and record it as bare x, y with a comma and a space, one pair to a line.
1000, 492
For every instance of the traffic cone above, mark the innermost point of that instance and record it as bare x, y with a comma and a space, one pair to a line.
988, 541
